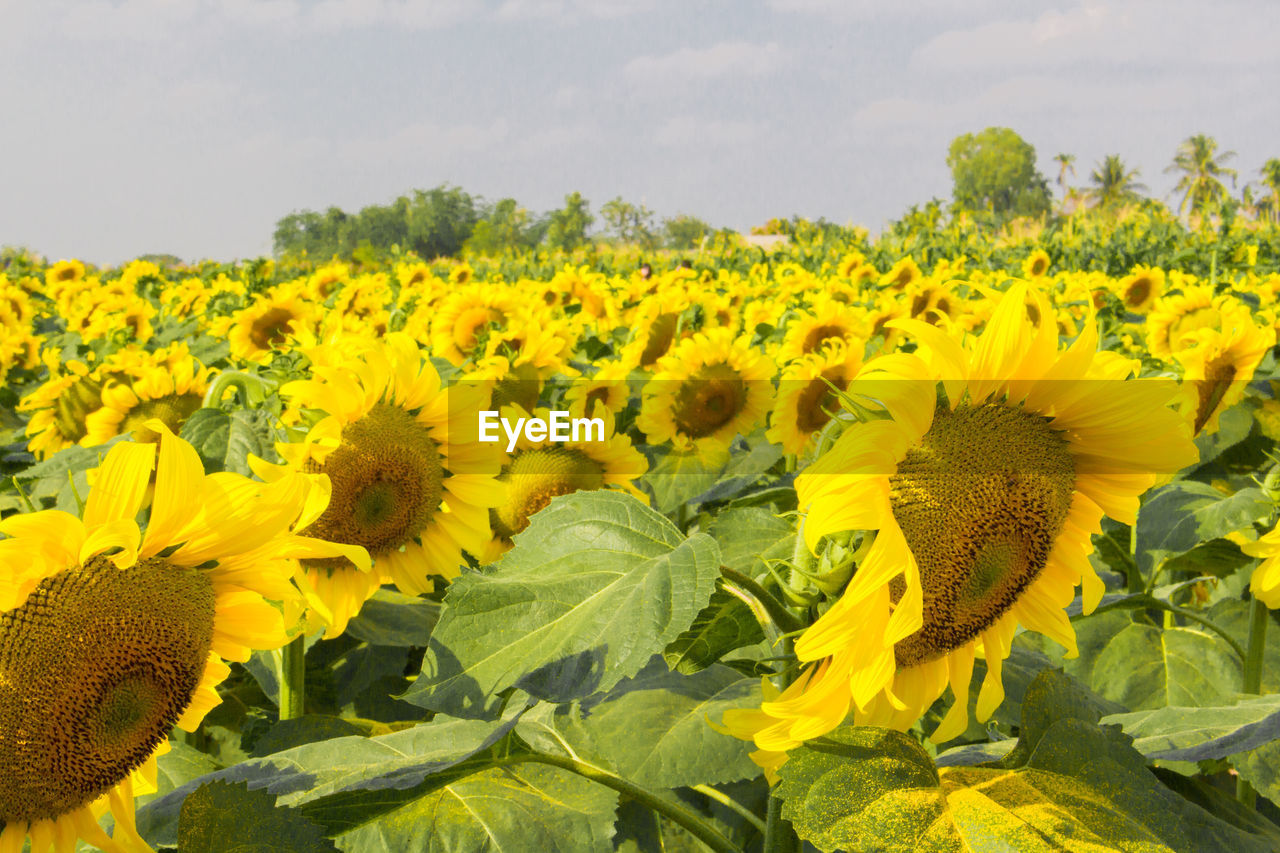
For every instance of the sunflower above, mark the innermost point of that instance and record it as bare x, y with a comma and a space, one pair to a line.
1172, 324
169, 392
459, 326
608, 385
806, 400
539, 470
656, 327
412, 484
710, 389
900, 275
849, 263
63, 272
1217, 369
60, 407
266, 325
111, 635
826, 322
1036, 264
1140, 288
983, 487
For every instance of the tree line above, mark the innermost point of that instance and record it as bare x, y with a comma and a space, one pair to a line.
994, 172
448, 221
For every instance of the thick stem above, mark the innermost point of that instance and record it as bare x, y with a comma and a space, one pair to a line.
1252, 682
293, 677
1258, 617
699, 828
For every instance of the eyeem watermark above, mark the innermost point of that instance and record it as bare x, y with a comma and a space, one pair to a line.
559, 427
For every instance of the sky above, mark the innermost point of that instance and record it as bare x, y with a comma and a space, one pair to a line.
190, 127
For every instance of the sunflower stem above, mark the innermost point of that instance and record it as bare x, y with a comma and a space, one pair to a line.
774, 611
22, 495
677, 812
733, 805
251, 390
293, 676
1252, 682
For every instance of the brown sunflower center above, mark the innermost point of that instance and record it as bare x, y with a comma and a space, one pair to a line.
1135, 295
536, 476
74, 404
95, 669
1218, 376
1039, 265
522, 385
817, 401
272, 328
661, 335
980, 502
819, 335
708, 400
172, 409
387, 480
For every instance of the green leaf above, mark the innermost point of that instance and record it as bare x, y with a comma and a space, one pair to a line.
1232, 616
654, 730
676, 478
1217, 557
180, 765
595, 586
1234, 426
1068, 785
525, 807
1145, 667
222, 818
347, 780
1181, 515
1196, 734
725, 624
394, 619
225, 440
309, 728
750, 535
743, 471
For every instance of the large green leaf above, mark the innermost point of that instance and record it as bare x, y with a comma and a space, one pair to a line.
750, 535
344, 781
1195, 734
1181, 515
525, 807
225, 440
1144, 667
1232, 616
725, 624
1068, 785
223, 818
653, 728
394, 619
678, 477
595, 586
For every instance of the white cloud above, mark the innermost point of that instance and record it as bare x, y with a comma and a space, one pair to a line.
729, 58
1123, 33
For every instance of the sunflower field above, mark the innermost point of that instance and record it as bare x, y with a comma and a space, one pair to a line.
951, 540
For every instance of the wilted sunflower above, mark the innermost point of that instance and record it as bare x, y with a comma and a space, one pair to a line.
983, 500
1217, 369
806, 399
110, 636
710, 389
412, 483
539, 470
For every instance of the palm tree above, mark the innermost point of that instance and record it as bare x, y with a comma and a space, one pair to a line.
1201, 166
1065, 164
1113, 184
1271, 178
